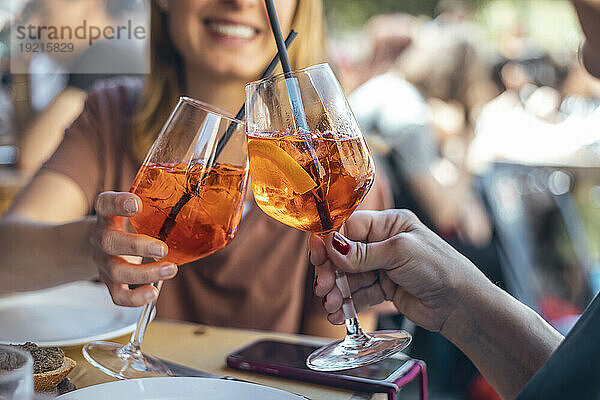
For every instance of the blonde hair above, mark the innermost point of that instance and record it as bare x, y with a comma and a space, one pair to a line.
165, 83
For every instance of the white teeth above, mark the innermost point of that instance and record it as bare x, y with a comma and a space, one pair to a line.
238, 31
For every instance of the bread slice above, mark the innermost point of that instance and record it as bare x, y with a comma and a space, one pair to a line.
48, 380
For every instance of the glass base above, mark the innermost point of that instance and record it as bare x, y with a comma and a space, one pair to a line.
123, 361
352, 353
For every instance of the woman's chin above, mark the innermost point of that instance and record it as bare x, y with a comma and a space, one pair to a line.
229, 71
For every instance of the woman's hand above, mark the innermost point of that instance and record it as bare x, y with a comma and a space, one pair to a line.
112, 244
391, 255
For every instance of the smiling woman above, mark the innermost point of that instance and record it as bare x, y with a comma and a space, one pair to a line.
208, 50
217, 43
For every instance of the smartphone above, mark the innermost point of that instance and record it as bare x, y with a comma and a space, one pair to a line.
288, 360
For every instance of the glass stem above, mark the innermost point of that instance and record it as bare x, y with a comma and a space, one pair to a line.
137, 337
355, 337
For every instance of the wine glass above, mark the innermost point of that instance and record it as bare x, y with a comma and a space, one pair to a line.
310, 168
192, 186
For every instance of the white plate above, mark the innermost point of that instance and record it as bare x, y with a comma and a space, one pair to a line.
178, 389
65, 315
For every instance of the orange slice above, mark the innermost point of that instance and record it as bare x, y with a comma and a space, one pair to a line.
270, 164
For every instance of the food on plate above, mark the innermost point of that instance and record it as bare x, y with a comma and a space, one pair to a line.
50, 366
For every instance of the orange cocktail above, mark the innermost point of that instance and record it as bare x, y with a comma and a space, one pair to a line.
206, 223
289, 186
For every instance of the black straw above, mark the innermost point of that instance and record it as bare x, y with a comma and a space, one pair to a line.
300, 117
242, 112
169, 222
283, 55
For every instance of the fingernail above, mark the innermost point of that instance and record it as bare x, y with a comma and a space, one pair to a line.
167, 270
157, 250
150, 295
340, 244
131, 206
315, 282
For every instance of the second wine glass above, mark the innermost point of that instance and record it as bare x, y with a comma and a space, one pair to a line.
310, 168
192, 186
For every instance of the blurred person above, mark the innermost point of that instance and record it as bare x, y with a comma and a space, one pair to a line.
391, 255
389, 35
446, 61
59, 80
422, 141
70, 222
581, 93
545, 106
453, 11
399, 124
6, 107
507, 131
446, 64
15, 82
536, 79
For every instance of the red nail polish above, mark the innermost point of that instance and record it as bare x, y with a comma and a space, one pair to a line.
340, 244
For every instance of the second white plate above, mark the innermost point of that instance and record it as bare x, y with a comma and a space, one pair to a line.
66, 315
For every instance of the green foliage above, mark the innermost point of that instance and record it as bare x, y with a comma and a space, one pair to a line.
346, 14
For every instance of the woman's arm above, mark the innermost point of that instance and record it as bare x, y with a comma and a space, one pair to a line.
36, 255
44, 236
46, 239
391, 255
506, 340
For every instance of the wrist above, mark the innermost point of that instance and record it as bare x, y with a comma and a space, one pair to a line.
473, 294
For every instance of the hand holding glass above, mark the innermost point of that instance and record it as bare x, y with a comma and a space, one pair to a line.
310, 170
192, 186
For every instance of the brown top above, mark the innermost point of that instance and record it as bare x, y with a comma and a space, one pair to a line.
258, 281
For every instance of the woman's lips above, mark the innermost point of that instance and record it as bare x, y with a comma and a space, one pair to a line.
231, 30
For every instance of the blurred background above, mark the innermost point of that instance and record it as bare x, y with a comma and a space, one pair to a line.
478, 112
486, 125
43, 81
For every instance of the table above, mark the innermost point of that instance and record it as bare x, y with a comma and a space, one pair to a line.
205, 348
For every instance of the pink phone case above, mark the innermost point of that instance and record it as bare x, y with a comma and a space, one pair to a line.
417, 369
